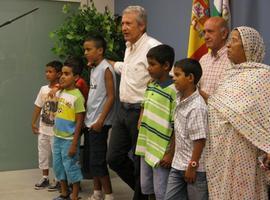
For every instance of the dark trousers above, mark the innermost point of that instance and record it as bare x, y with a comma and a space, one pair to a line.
120, 155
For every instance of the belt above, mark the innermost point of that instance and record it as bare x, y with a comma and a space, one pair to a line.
131, 106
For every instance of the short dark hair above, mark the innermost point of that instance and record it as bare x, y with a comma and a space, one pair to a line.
57, 65
190, 66
75, 63
162, 53
99, 41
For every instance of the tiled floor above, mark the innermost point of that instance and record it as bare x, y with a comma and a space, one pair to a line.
19, 185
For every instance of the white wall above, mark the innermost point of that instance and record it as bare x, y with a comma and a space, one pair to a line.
101, 4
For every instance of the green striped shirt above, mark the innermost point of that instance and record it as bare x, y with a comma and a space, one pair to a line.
157, 121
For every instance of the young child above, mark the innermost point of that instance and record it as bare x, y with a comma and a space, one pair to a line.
155, 139
187, 179
84, 89
68, 123
45, 109
99, 115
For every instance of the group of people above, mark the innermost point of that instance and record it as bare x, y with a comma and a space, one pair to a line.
201, 134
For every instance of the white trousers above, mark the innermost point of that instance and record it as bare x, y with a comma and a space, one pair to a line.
45, 147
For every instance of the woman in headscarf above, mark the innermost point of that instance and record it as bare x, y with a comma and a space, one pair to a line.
239, 122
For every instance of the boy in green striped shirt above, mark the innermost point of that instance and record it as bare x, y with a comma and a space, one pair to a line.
155, 142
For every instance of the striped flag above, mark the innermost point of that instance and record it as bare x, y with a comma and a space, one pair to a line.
196, 44
222, 9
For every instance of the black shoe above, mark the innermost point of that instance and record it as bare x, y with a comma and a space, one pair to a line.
43, 183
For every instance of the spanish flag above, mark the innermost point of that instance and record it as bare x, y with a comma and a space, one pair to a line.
196, 44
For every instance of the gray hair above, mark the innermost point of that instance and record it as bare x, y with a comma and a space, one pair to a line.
141, 13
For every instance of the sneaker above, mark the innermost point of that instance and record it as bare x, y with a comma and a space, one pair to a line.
43, 183
54, 187
62, 198
95, 197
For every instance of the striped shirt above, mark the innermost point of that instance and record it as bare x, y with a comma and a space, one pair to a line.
70, 102
190, 124
157, 121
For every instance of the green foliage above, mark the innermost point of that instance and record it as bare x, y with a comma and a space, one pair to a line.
69, 37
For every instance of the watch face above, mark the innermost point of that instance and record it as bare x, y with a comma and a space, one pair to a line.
193, 164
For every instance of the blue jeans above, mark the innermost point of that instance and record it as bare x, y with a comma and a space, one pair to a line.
177, 187
154, 180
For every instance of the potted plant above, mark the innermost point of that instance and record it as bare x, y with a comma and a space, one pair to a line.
85, 21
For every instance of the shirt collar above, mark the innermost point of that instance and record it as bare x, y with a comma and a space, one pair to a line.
188, 99
220, 52
136, 44
165, 83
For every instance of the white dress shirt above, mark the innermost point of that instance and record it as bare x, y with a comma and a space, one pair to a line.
134, 74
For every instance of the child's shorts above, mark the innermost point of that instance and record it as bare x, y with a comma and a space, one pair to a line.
66, 167
98, 151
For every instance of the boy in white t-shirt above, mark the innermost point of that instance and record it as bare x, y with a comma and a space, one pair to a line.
45, 108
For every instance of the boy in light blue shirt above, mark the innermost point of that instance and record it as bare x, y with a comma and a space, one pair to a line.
99, 115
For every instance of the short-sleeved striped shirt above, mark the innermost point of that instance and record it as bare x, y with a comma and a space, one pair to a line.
190, 124
70, 102
157, 121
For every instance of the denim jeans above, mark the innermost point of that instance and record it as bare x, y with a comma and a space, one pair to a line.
154, 180
177, 187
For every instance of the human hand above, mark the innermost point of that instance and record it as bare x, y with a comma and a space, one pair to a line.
53, 91
166, 161
139, 123
190, 175
35, 129
267, 161
97, 126
72, 150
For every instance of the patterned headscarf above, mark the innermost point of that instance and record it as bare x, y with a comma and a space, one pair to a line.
253, 44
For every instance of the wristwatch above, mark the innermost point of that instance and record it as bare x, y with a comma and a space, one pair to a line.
193, 164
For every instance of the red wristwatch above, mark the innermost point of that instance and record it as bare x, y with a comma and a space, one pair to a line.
193, 164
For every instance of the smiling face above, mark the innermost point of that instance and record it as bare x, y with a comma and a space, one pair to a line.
236, 52
68, 79
131, 28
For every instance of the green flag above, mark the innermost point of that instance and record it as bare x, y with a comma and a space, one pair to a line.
222, 9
